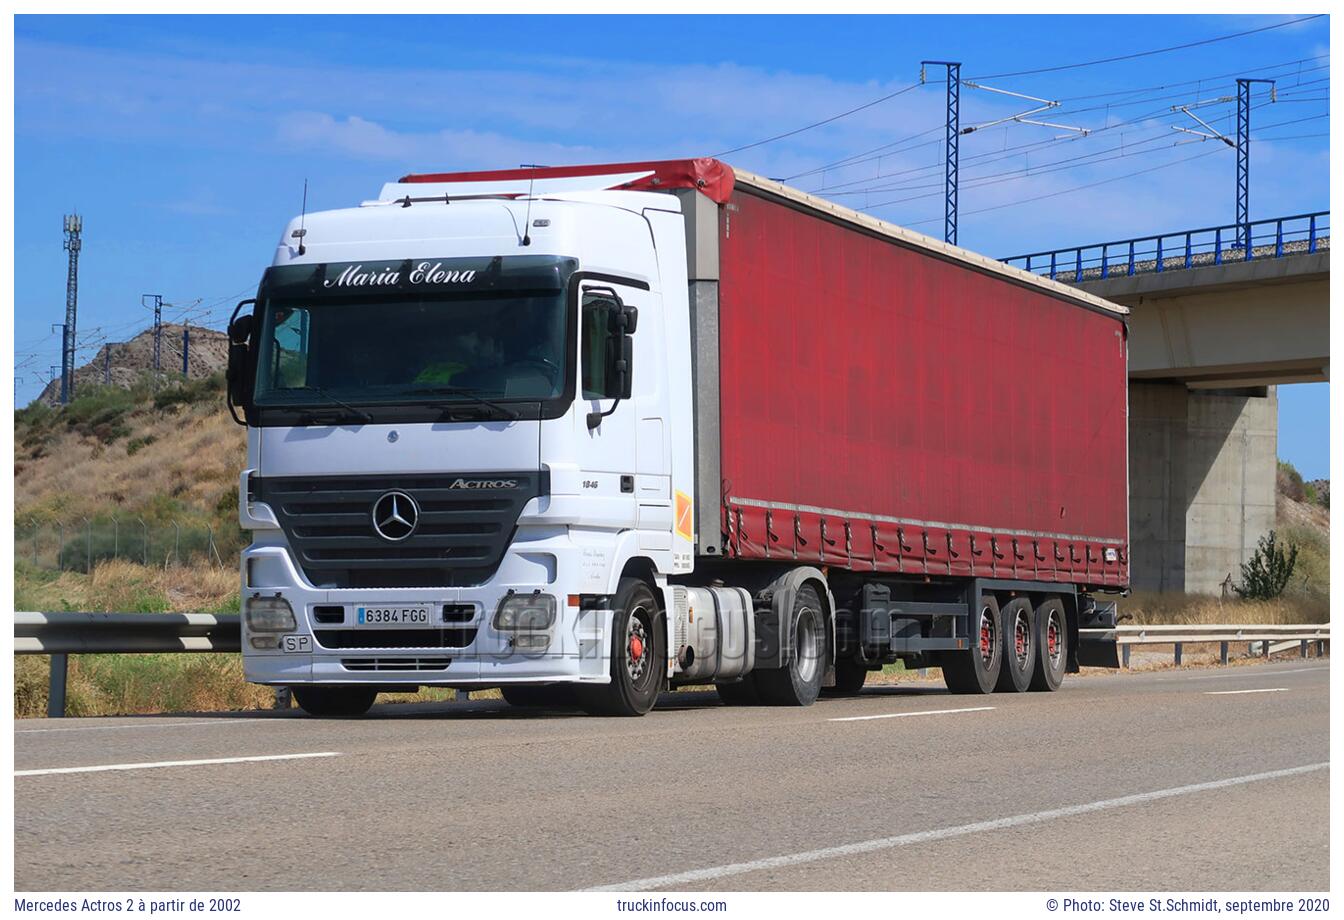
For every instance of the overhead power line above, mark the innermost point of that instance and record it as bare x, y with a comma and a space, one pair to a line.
1141, 54
818, 124
1076, 188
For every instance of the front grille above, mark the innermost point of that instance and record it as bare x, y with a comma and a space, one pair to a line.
459, 539
396, 664
394, 638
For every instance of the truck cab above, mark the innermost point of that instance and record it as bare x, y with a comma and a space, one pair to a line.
468, 406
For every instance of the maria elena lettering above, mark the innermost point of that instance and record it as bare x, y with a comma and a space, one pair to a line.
424, 273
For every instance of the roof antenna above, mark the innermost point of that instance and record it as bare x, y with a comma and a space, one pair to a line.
527, 220
300, 233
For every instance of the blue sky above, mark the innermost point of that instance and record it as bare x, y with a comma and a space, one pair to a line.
185, 141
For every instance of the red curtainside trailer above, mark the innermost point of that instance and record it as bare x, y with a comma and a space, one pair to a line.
888, 404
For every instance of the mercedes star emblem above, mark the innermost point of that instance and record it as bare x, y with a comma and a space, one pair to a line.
395, 515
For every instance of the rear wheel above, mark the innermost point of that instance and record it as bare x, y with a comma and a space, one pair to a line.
976, 669
638, 656
1019, 646
849, 678
799, 682
334, 702
741, 693
1052, 643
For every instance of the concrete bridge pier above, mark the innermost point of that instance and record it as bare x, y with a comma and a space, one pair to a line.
1201, 482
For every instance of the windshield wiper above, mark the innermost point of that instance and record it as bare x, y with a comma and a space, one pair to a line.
312, 414
463, 391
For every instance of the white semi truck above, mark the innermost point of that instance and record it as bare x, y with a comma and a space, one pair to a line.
586, 433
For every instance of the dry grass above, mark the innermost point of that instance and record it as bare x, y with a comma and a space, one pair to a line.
1146, 607
193, 460
117, 585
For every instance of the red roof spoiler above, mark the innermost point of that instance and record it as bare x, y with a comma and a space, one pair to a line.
712, 177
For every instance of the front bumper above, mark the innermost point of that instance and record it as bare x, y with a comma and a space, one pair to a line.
460, 652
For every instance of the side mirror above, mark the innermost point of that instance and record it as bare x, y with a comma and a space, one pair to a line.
237, 379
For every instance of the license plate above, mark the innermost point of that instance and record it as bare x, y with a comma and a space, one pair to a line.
397, 615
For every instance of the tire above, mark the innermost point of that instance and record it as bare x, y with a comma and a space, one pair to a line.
1020, 642
976, 669
849, 678
334, 702
741, 693
638, 656
552, 696
799, 682
1052, 643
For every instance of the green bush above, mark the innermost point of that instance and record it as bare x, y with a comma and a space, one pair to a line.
190, 392
1266, 574
1290, 482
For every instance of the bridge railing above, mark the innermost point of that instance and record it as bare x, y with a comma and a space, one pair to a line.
1268, 239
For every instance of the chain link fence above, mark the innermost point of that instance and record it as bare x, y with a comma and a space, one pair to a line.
80, 545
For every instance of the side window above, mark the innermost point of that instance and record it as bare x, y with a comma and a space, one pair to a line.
290, 354
595, 345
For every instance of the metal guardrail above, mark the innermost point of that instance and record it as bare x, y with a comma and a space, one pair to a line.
1262, 639
1269, 239
63, 634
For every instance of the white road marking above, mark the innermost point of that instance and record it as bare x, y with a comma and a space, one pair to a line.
1235, 692
172, 763
902, 715
943, 833
1244, 671
147, 724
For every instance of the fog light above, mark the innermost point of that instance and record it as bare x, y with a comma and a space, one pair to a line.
265, 641
525, 613
269, 614
532, 642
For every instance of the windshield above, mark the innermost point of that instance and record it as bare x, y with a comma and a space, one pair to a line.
408, 348
414, 340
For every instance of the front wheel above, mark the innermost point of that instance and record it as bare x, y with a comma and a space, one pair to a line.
638, 656
799, 682
334, 702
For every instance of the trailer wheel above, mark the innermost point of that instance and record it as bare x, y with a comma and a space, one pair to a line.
553, 695
740, 693
976, 669
799, 682
849, 678
638, 657
1052, 644
1020, 643
334, 702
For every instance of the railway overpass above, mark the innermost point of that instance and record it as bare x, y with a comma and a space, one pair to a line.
1216, 327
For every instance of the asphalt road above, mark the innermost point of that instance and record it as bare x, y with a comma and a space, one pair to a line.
1202, 779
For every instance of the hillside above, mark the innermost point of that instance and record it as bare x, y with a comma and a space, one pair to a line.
162, 455
124, 364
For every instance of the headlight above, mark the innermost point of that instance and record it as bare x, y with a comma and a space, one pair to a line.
525, 613
269, 614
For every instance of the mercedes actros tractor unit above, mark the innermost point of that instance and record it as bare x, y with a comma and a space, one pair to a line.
588, 433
